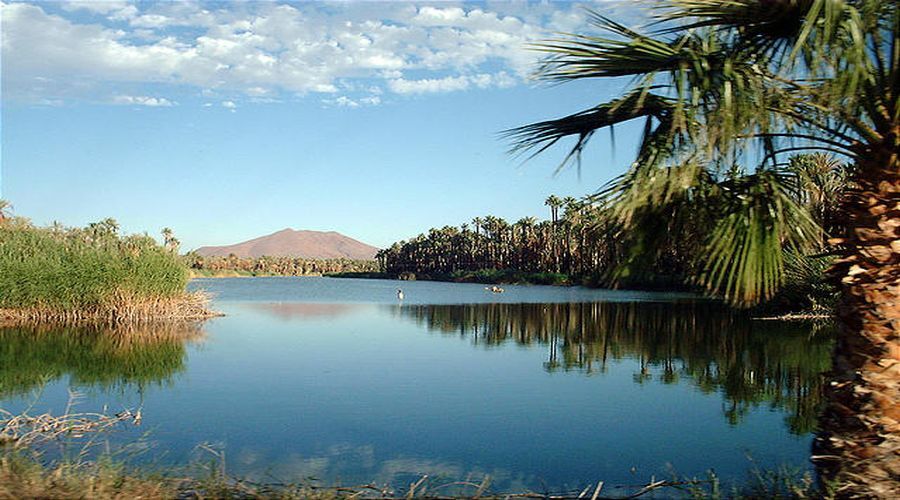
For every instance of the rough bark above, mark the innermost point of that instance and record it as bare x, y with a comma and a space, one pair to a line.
857, 451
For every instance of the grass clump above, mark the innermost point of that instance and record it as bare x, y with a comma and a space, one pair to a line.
94, 272
23, 477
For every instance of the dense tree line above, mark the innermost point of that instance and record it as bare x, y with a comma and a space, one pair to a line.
572, 242
278, 266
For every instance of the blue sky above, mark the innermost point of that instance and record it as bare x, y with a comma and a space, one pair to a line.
226, 120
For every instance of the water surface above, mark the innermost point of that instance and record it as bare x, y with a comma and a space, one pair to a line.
538, 387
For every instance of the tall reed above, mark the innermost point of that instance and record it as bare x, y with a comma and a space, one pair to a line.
90, 273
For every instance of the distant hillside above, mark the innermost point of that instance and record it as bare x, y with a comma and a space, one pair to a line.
291, 243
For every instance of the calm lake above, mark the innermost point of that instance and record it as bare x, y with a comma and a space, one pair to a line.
542, 388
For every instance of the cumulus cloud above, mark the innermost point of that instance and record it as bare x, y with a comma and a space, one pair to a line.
451, 83
264, 49
346, 102
95, 6
140, 100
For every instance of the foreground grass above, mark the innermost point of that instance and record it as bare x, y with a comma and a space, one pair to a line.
23, 476
92, 273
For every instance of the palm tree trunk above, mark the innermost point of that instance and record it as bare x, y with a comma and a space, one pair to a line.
858, 447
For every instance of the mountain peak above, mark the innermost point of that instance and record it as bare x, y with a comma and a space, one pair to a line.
289, 242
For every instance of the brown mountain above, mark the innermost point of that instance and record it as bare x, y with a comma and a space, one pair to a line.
291, 243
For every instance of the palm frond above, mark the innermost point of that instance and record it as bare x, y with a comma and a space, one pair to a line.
536, 138
629, 53
759, 224
761, 24
649, 188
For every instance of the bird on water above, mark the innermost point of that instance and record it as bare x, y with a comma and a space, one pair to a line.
399, 294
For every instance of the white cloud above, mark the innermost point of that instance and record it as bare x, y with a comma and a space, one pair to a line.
429, 85
229, 104
346, 102
140, 100
95, 6
451, 83
265, 49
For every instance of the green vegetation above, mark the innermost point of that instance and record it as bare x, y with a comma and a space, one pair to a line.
727, 90
233, 266
93, 273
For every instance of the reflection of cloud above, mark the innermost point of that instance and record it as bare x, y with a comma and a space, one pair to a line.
358, 464
295, 310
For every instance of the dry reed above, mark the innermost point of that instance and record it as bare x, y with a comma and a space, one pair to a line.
120, 308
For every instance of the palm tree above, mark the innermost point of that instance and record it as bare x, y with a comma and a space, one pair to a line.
5, 207
169, 240
820, 181
726, 89
554, 203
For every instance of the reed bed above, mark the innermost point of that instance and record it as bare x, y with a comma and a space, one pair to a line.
91, 274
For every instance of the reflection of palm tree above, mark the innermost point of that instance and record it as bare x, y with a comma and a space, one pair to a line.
712, 348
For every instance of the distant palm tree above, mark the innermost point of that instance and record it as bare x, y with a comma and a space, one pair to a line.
5, 208
554, 202
726, 89
169, 240
821, 180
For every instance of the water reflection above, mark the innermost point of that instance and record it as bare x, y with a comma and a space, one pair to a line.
752, 363
288, 311
92, 356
